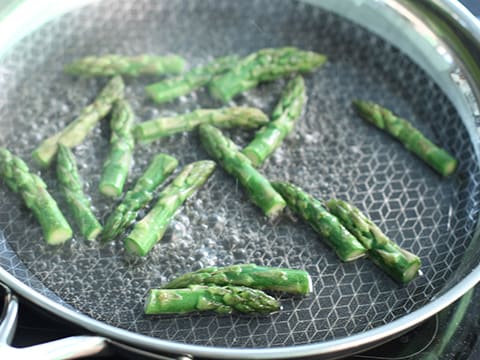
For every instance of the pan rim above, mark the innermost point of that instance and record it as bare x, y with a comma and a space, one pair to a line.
350, 343
354, 342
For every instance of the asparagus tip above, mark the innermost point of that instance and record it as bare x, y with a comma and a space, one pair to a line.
320, 59
359, 105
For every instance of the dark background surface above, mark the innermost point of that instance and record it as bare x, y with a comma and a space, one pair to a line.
473, 6
35, 326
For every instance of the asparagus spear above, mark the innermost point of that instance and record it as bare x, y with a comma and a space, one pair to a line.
345, 245
410, 137
111, 65
263, 65
235, 163
401, 264
126, 212
223, 300
148, 231
250, 275
34, 192
284, 116
117, 164
77, 130
172, 88
225, 117
71, 187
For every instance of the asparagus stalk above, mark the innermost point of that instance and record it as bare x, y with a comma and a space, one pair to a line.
263, 65
249, 275
172, 88
71, 187
148, 231
126, 212
401, 264
223, 300
77, 130
284, 117
235, 163
345, 245
226, 117
410, 137
36, 197
119, 160
112, 65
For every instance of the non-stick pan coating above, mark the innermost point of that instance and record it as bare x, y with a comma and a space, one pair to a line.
331, 153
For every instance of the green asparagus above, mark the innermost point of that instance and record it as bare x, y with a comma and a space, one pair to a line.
117, 164
263, 65
148, 231
126, 212
401, 264
345, 245
71, 187
410, 137
284, 117
225, 117
235, 163
77, 130
249, 275
111, 65
34, 192
172, 88
223, 300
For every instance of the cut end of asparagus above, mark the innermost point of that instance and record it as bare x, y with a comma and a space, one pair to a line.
134, 248
93, 233
59, 236
150, 303
309, 286
253, 157
411, 272
275, 210
110, 190
449, 167
41, 158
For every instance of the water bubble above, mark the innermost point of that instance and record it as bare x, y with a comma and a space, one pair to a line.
177, 231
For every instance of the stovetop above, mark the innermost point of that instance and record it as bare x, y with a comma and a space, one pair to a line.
452, 334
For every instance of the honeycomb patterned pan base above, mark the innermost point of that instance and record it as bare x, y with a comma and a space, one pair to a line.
331, 153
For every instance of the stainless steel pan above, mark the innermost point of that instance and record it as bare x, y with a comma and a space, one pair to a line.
419, 58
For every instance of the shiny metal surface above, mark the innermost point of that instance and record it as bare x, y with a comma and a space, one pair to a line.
402, 24
69, 348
